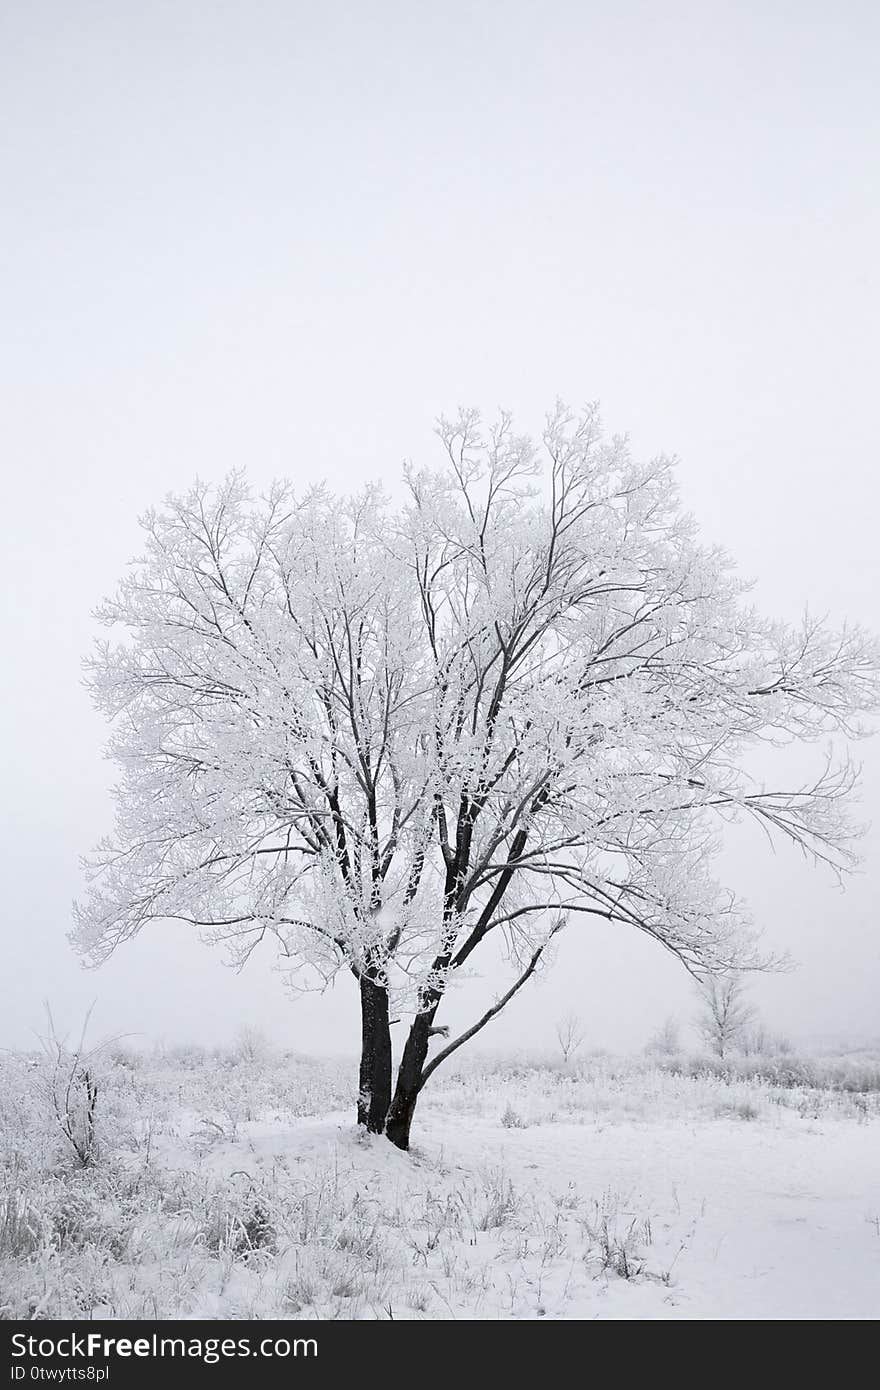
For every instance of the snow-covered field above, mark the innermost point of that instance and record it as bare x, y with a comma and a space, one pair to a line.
237, 1187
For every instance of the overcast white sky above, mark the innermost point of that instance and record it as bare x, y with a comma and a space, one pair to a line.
287, 235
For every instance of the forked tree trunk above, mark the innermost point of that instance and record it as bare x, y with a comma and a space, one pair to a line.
409, 1080
413, 1073
374, 1093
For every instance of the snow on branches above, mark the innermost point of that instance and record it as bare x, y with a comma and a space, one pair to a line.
377, 734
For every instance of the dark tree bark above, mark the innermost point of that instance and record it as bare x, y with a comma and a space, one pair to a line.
409, 1080
374, 1093
413, 1072
410, 1077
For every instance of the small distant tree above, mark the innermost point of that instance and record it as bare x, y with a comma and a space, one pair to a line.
251, 1045
383, 737
666, 1040
726, 1013
571, 1035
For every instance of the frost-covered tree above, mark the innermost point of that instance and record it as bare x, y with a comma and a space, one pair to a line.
571, 1036
383, 735
665, 1041
725, 1014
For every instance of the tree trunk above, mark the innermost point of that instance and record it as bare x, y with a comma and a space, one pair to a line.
409, 1080
374, 1093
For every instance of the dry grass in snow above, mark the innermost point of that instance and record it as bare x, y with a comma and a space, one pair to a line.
238, 1187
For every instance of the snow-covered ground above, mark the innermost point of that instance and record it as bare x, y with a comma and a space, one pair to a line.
607, 1190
